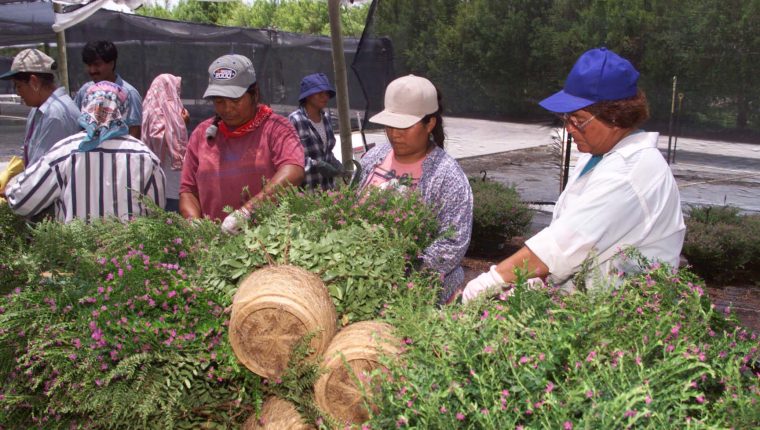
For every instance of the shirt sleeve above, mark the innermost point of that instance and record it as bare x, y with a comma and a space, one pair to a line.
453, 200
593, 222
188, 179
54, 131
156, 185
33, 190
134, 113
79, 98
285, 144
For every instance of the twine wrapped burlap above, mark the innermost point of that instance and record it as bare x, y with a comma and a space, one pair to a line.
360, 344
277, 414
273, 309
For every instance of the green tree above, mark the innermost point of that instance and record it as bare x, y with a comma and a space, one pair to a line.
203, 11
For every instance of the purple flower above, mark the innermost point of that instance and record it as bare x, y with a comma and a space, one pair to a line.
549, 387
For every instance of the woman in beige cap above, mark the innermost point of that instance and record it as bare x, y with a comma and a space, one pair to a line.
414, 159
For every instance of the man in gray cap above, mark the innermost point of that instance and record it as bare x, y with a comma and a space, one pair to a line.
230, 156
54, 116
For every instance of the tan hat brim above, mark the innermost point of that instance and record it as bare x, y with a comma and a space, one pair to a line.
395, 120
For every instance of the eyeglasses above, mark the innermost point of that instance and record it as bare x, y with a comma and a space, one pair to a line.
567, 119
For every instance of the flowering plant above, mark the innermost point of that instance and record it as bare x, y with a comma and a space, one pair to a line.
652, 353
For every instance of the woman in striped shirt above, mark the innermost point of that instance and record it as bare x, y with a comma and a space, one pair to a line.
99, 172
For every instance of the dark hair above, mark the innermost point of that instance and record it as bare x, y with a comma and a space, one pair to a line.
102, 49
624, 113
46, 79
253, 89
438, 135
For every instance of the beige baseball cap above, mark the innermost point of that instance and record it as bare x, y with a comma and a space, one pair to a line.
30, 61
407, 100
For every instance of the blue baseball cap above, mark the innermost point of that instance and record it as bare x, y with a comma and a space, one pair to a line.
315, 83
598, 75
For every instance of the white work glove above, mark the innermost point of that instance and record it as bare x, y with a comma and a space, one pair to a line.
235, 221
489, 281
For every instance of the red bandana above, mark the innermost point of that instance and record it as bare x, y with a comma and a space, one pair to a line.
262, 113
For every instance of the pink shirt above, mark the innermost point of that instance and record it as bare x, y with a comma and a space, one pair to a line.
408, 174
217, 170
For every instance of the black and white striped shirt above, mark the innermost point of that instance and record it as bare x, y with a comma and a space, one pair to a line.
106, 181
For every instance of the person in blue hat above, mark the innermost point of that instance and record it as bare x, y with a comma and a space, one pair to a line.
621, 194
313, 126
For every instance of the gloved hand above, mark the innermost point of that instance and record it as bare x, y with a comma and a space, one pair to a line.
489, 281
235, 221
326, 169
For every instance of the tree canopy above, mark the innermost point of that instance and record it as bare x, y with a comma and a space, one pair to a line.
499, 57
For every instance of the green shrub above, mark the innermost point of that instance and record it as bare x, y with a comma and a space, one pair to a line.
498, 214
129, 329
722, 245
715, 214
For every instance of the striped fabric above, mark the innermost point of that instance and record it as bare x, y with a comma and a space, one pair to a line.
106, 181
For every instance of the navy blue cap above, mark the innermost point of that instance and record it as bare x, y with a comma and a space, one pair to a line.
315, 83
598, 75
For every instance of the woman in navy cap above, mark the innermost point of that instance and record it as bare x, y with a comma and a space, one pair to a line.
621, 193
316, 133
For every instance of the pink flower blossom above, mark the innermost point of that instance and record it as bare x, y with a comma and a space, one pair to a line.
443, 409
567, 425
488, 349
460, 416
549, 387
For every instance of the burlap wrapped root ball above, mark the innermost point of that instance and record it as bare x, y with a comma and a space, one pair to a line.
273, 309
359, 346
277, 414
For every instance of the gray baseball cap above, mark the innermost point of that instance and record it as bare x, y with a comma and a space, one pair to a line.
31, 61
230, 76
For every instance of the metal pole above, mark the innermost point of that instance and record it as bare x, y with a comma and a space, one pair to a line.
566, 162
63, 62
678, 125
672, 110
341, 84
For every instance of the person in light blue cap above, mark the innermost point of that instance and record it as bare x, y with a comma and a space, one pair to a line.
317, 137
621, 193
